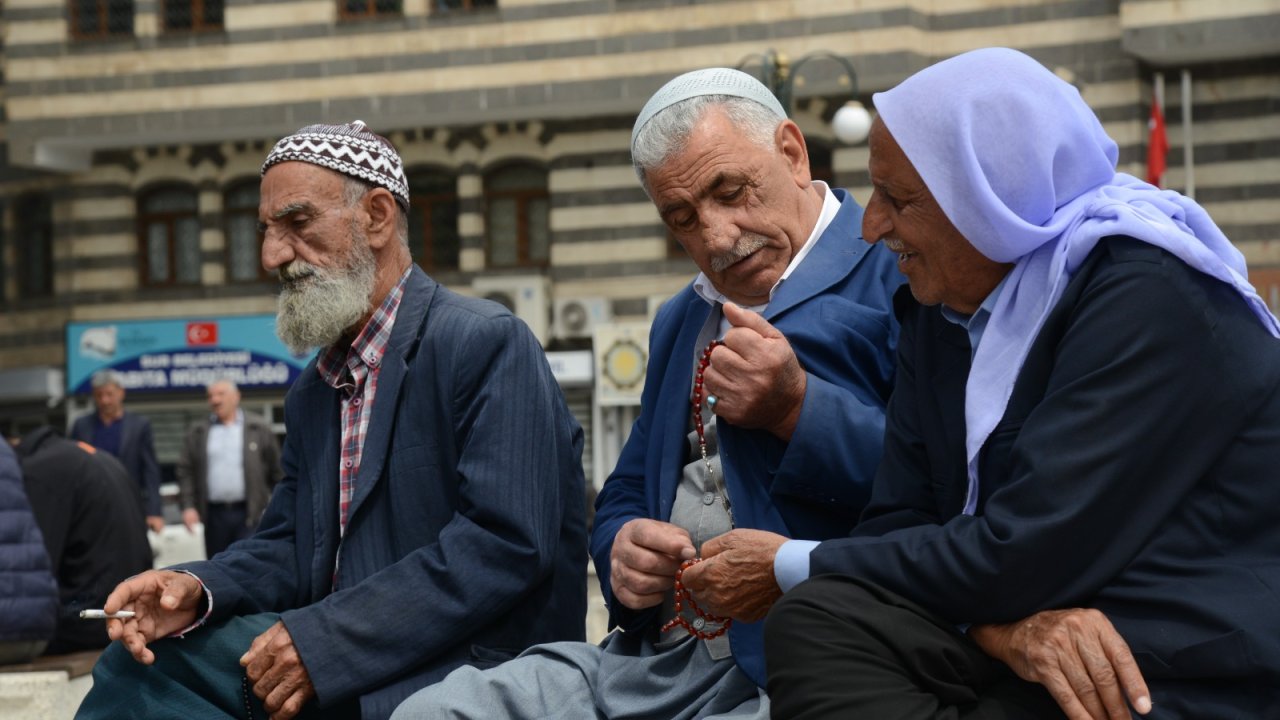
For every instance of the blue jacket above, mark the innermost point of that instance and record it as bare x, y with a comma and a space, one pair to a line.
466, 541
836, 311
137, 454
28, 592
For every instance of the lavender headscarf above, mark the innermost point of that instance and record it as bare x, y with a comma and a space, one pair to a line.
1023, 169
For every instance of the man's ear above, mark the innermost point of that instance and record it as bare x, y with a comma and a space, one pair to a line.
383, 214
790, 143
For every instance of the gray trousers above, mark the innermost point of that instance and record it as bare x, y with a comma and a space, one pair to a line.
623, 677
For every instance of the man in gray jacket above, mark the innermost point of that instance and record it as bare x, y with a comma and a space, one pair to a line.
229, 464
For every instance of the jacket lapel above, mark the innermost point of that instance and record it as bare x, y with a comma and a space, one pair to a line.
409, 325
836, 253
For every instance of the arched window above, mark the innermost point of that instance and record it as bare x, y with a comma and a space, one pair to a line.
33, 244
433, 218
169, 231
240, 214
516, 216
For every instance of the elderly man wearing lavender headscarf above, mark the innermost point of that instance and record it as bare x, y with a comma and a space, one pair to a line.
430, 514
1077, 510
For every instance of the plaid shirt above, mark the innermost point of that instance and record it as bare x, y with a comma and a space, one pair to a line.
354, 371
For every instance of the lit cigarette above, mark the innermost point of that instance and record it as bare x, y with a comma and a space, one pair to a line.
104, 615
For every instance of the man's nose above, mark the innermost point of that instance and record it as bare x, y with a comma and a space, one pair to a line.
875, 221
276, 250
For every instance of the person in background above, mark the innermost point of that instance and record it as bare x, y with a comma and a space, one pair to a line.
431, 510
127, 436
86, 506
779, 428
28, 593
229, 463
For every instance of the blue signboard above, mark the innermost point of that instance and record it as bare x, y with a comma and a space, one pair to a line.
181, 355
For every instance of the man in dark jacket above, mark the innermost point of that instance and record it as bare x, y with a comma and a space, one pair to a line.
87, 509
28, 595
128, 437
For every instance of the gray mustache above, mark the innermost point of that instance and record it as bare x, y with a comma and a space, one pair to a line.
746, 245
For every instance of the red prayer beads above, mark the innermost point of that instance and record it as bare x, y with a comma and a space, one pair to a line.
699, 395
695, 628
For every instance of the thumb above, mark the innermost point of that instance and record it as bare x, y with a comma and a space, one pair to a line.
740, 317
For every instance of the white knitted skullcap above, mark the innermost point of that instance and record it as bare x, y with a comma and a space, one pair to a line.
351, 149
711, 81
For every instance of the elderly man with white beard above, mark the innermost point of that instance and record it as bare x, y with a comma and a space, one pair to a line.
431, 514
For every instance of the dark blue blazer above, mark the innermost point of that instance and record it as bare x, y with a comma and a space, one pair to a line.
137, 454
466, 541
836, 311
1134, 471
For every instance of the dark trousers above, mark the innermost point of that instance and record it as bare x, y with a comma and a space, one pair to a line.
836, 647
198, 676
224, 523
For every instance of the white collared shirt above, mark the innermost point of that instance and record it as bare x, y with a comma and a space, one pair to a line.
225, 450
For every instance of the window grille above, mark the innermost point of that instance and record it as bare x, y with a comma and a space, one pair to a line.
93, 19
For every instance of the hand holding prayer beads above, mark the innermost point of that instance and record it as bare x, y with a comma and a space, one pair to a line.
697, 628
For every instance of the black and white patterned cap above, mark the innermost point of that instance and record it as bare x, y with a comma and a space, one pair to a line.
350, 149
711, 81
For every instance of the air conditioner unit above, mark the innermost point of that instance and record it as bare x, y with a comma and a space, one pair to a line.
524, 295
577, 317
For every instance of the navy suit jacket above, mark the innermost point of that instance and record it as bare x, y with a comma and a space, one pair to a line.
466, 541
137, 454
1134, 472
836, 311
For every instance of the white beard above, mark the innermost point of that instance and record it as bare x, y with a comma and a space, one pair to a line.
318, 305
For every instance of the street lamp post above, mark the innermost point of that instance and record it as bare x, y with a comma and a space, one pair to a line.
851, 122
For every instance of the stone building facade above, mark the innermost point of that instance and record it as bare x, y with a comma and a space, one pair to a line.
133, 132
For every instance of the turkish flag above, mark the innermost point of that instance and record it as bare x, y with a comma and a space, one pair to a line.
1157, 145
202, 333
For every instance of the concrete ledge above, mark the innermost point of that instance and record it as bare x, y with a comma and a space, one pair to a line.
49, 688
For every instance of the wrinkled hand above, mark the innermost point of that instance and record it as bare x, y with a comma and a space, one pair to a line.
279, 678
735, 578
155, 523
644, 559
165, 602
1077, 655
755, 376
191, 518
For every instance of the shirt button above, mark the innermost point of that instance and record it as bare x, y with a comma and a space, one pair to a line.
708, 498
699, 623
356, 402
347, 463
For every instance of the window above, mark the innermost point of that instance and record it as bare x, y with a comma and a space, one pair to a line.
170, 236
516, 215
433, 219
192, 16
240, 210
101, 18
445, 6
356, 9
33, 245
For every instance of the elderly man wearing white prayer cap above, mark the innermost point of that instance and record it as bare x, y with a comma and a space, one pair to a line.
763, 408
1082, 446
